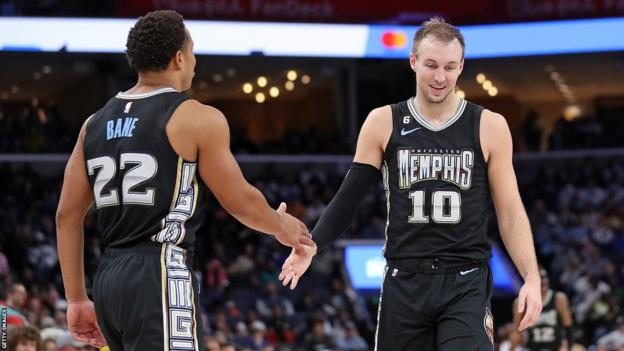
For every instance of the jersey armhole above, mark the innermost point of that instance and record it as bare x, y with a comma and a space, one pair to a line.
171, 110
477, 133
392, 141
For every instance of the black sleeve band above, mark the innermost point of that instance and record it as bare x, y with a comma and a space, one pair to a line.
569, 331
342, 208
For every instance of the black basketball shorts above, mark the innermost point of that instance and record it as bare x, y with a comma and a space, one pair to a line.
146, 298
442, 311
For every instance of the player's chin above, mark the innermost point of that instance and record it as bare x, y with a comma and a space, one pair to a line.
437, 98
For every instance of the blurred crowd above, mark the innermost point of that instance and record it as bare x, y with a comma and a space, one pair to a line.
576, 208
584, 132
33, 127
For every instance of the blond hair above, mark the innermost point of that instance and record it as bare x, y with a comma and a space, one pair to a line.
441, 31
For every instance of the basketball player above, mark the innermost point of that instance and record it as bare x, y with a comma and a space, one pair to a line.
547, 334
140, 159
442, 159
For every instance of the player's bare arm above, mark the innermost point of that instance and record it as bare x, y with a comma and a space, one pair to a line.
512, 219
74, 203
371, 144
374, 137
200, 132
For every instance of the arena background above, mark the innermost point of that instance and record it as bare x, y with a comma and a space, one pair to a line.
554, 69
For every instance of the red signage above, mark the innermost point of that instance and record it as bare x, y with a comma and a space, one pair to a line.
375, 11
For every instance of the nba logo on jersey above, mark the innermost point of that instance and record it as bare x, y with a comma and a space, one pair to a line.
127, 108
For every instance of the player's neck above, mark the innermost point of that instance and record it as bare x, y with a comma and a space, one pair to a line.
436, 113
148, 82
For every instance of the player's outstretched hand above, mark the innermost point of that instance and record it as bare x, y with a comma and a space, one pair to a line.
295, 233
296, 264
82, 323
529, 303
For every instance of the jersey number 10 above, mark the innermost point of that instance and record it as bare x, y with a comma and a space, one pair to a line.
445, 207
145, 167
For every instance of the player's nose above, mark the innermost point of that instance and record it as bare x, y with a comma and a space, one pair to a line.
439, 76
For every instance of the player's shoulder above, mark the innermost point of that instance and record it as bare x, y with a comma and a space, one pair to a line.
380, 111
198, 116
380, 114
493, 119
194, 107
493, 129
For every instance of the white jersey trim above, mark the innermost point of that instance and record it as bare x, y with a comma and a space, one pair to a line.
122, 95
420, 119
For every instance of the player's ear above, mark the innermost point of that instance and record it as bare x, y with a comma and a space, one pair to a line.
178, 59
412, 60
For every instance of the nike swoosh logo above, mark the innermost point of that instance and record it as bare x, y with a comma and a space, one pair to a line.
468, 271
406, 132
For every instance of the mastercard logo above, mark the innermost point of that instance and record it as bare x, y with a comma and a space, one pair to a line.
394, 40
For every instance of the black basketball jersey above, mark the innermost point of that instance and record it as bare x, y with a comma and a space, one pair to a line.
436, 185
546, 333
143, 190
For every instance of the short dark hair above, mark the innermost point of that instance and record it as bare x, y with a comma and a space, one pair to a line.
440, 30
154, 40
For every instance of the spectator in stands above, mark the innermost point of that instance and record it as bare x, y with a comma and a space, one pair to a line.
49, 345
272, 298
318, 339
65, 342
615, 339
351, 341
24, 338
15, 302
532, 130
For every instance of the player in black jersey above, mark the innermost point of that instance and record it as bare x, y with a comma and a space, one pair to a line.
139, 159
443, 159
555, 321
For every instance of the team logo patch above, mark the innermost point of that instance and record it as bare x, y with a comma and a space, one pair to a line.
488, 324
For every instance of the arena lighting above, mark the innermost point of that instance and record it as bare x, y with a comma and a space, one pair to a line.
247, 88
260, 98
572, 112
290, 86
305, 79
330, 40
493, 91
480, 78
291, 75
487, 85
262, 81
461, 94
274, 92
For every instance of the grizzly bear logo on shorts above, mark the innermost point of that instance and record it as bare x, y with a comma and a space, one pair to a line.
488, 324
